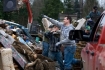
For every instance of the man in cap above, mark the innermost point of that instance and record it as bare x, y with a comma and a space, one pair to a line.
46, 42
95, 14
55, 52
69, 45
86, 31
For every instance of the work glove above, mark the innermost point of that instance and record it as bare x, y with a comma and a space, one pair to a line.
57, 44
44, 16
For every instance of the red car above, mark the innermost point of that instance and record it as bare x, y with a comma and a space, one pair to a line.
93, 54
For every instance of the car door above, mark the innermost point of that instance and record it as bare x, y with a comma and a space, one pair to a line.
94, 62
90, 53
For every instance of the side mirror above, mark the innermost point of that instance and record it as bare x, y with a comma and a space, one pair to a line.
78, 35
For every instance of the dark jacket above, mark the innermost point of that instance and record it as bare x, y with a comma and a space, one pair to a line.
53, 39
90, 23
94, 15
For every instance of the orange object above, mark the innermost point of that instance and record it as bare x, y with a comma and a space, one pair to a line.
30, 18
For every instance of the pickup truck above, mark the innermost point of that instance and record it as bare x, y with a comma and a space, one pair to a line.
93, 54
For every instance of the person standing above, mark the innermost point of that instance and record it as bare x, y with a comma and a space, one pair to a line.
95, 14
69, 45
45, 46
54, 52
45, 42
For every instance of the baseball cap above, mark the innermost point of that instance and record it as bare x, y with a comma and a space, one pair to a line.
95, 7
87, 27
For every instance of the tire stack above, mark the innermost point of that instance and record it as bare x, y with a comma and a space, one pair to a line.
80, 46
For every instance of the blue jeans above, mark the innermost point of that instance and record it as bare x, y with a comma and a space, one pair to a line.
69, 52
45, 49
57, 56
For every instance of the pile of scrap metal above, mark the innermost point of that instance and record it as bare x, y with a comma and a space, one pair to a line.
23, 47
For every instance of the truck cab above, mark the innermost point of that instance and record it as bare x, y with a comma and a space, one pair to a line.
93, 54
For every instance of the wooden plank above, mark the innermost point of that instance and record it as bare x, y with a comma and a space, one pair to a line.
21, 61
80, 23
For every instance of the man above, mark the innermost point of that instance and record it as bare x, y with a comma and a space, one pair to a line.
86, 31
95, 14
46, 42
69, 45
54, 52
90, 22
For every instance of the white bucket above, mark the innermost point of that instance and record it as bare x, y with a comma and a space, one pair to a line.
6, 58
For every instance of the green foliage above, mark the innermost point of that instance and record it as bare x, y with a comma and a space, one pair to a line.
77, 8
52, 8
1, 9
68, 4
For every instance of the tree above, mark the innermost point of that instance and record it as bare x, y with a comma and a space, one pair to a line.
77, 8
1, 10
68, 4
37, 8
52, 8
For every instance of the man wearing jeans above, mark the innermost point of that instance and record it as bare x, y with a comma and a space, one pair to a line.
69, 45
54, 52
46, 42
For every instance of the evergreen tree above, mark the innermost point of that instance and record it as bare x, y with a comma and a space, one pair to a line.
37, 8
52, 8
68, 4
77, 8
1, 10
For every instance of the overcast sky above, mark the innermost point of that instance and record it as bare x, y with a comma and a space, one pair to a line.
101, 2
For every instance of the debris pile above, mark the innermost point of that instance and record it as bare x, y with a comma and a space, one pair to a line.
23, 47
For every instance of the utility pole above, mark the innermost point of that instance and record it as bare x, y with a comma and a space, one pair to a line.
81, 7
